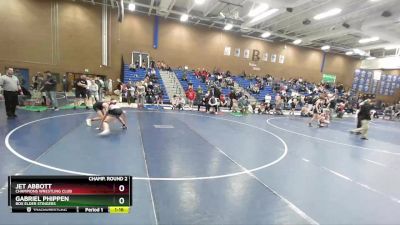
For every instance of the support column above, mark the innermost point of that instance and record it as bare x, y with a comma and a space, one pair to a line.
155, 33
104, 34
323, 62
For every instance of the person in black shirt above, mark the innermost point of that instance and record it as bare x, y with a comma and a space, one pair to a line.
64, 82
81, 91
364, 115
50, 88
332, 106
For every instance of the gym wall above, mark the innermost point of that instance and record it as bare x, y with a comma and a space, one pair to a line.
31, 40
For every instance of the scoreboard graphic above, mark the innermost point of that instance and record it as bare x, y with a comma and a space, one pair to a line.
70, 194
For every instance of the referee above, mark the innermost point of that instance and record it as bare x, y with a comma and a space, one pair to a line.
11, 88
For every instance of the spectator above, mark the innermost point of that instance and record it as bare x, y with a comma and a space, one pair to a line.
267, 98
213, 102
191, 96
64, 82
244, 104
35, 80
80, 91
100, 83
181, 102
184, 76
223, 101
130, 94
41, 94
50, 88
11, 89
158, 95
94, 91
132, 67
141, 92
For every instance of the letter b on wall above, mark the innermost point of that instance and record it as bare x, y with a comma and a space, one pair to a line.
256, 55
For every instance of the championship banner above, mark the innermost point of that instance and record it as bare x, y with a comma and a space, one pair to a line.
398, 82
367, 82
356, 79
382, 85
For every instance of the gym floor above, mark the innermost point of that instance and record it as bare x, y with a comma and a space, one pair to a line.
200, 168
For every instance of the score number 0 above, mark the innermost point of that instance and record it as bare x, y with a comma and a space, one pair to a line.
121, 200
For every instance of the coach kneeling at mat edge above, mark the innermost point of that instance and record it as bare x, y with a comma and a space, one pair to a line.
11, 88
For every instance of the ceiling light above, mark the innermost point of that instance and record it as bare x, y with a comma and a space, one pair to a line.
357, 51
222, 14
263, 15
256, 11
298, 41
131, 7
184, 17
367, 40
329, 13
371, 57
228, 26
349, 53
266, 34
325, 47
199, 2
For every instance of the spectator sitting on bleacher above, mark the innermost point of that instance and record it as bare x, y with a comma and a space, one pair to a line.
267, 98
136, 65
219, 78
132, 67
254, 88
184, 76
229, 82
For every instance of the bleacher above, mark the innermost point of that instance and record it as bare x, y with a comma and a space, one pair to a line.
133, 76
191, 77
139, 75
245, 83
161, 83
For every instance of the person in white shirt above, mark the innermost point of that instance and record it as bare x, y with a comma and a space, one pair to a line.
94, 91
267, 98
11, 89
